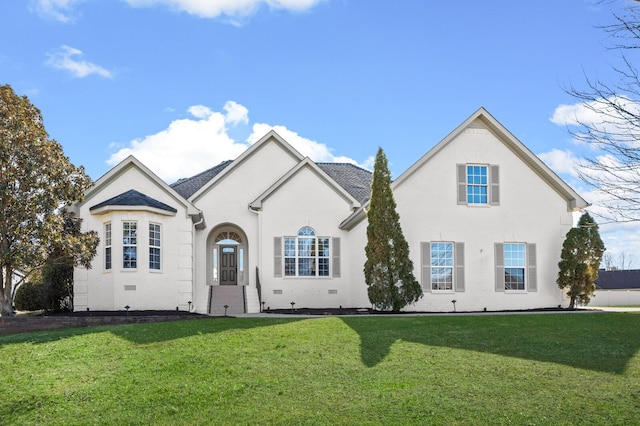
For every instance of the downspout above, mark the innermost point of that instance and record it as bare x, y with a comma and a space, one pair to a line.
259, 250
197, 225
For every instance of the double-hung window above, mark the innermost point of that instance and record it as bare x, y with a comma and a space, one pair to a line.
306, 255
129, 245
514, 266
107, 246
154, 246
441, 266
478, 184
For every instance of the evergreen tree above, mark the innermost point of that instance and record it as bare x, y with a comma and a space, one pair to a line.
580, 259
388, 270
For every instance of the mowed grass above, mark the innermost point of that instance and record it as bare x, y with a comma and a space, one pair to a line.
579, 368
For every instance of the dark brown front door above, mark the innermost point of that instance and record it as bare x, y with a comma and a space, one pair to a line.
228, 265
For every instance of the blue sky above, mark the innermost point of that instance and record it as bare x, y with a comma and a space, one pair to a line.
185, 84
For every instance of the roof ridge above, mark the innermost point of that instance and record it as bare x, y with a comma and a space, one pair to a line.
355, 166
186, 179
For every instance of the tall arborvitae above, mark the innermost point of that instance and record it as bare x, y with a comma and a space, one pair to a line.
581, 255
388, 270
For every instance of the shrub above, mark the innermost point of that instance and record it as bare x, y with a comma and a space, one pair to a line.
31, 297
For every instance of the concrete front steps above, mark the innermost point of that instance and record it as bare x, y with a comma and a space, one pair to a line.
239, 300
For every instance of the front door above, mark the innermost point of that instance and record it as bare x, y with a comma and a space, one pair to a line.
228, 265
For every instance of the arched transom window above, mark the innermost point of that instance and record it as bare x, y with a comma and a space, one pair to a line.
228, 237
306, 255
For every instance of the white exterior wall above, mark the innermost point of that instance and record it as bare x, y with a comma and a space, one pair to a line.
305, 200
530, 211
140, 288
227, 203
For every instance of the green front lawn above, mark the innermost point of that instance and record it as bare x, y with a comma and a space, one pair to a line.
579, 368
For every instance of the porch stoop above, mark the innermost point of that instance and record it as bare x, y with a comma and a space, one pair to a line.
239, 300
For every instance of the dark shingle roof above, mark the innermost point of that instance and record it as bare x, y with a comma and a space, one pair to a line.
617, 280
134, 198
355, 180
189, 186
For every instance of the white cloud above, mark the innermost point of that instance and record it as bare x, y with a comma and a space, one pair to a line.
621, 238
65, 59
561, 162
191, 145
236, 113
573, 115
317, 151
603, 116
59, 10
229, 8
187, 147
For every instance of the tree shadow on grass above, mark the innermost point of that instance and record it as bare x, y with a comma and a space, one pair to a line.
603, 342
147, 332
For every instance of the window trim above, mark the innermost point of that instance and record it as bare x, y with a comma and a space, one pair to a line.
129, 245
530, 268
508, 256
108, 247
492, 185
451, 267
157, 247
458, 283
484, 174
320, 254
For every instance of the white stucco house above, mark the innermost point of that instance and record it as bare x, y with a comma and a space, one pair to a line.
484, 217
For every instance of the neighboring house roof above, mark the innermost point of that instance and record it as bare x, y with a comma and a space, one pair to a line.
355, 180
618, 280
189, 186
133, 198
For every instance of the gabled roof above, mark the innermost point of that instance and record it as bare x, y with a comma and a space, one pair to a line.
306, 163
618, 280
270, 136
132, 198
482, 118
355, 180
132, 163
189, 186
